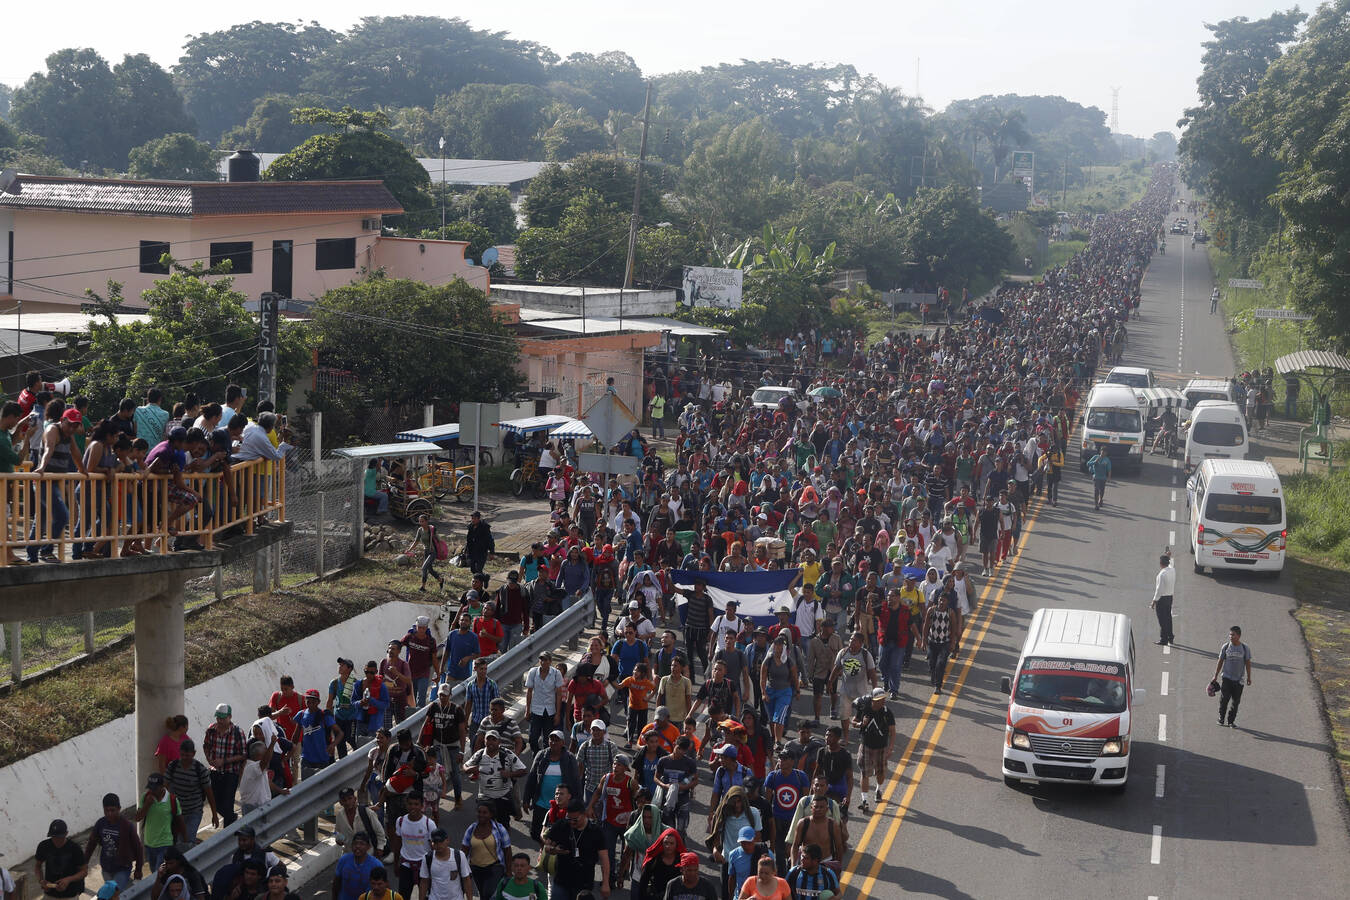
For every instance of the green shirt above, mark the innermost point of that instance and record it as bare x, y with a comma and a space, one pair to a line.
159, 820
824, 529
8, 458
508, 887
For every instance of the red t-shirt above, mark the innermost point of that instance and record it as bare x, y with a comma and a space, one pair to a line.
579, 689
485, 628
421, 649
286, 709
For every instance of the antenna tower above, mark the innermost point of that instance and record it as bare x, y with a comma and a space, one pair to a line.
1115, 110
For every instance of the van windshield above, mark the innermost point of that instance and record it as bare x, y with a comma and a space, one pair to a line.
1071, 684
1114, 419
1131, 379
1217, 434
1237, 509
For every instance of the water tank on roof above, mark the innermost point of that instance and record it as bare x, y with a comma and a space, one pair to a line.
244, 165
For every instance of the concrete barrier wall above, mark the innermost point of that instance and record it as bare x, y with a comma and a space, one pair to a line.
69, 780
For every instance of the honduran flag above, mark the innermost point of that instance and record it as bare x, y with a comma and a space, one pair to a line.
757, 594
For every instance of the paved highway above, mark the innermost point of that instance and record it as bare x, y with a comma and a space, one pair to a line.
1209, 811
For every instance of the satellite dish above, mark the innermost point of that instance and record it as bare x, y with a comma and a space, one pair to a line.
490, 256
9, 181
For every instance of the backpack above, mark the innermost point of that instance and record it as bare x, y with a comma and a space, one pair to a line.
442, 548
462, 870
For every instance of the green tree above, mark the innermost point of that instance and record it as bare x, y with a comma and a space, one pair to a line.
572, 134
87, 112
867, 230
271, 126
1217, 156
489, 206
400, 61
357, 154
406, 340
951, 241
588, 245
737, 182
1300, 118
224, 74
661, 255
179, 157
785, 283
199, 337
493, 121
606, 81
6, 97
556, 186
477, 237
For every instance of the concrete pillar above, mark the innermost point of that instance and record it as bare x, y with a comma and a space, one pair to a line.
160, 658
319, 535
89, 632
260, 571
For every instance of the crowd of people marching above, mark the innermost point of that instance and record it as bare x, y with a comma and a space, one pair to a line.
688, 738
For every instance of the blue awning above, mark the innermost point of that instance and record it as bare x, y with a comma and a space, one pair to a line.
571, 430
531, 424
435, 434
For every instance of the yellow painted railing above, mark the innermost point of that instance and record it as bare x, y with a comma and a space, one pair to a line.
126, 514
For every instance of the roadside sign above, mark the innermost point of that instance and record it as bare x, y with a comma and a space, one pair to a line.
1253, 284
609, 419
1023, 163
609, 463
1286, 314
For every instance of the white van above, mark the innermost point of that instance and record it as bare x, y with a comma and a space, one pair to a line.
1113, 423
1198, 389
1215, 429
1071, 700
1237, 516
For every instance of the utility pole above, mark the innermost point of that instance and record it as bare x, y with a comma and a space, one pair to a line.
637, 191
1064, 183
442, 188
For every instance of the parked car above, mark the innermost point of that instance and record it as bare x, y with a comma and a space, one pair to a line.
771, 395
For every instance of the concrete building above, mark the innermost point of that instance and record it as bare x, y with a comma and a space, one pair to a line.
60, 236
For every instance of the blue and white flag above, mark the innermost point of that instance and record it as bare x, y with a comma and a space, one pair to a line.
757, 594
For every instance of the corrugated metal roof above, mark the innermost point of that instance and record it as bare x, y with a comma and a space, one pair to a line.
184, 199
137, 198
1311, 359
476, 172
434, 434
401, 449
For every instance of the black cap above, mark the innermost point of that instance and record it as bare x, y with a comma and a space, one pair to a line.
577, 805
246, 831
57, 828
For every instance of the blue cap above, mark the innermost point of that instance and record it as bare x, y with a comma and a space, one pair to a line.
747, 834
108, 890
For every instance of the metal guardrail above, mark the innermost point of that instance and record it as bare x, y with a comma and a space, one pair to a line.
318, 793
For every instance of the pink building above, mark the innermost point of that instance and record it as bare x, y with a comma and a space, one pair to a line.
59, 236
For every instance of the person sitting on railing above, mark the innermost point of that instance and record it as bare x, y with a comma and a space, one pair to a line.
169, 457
58, 456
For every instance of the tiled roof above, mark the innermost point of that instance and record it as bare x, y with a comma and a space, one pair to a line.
183, 199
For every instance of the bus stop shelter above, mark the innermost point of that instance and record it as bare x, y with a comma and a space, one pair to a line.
1322, 373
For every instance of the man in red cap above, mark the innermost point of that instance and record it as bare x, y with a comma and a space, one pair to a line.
59, 455
690, 885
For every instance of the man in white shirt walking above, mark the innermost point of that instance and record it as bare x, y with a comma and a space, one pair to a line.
1163, 586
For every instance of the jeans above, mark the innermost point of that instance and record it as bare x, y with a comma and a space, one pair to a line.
892, 662
513, 635
60, 516
485, 879
449, 756
558, 892
224, 785
420, 690
154, 856
429, 568
348, 741
540, 725
1290, 402
1098, 490
612, 834
696, 645
192, 823
1231, 692
121, 876
938, 654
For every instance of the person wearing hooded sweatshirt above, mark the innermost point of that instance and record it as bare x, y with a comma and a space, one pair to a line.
660, 864
640, 835
574, 577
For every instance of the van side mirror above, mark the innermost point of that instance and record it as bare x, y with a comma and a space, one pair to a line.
1005, 684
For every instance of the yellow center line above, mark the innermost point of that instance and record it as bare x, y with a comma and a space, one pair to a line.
897, 818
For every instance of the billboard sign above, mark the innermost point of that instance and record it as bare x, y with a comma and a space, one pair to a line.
706, 287
1023, 163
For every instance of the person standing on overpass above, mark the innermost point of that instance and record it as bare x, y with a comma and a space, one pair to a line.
1100, 468
1234, 656
1163, 586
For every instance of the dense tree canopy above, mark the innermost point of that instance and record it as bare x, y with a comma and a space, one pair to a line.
179, 157
357, 154
223, 74
89, 113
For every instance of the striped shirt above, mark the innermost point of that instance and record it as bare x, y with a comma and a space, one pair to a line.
596, 760
189, 783
481, 698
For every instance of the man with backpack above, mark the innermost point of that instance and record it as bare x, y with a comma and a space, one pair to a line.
811, 880
520, 886
445, 871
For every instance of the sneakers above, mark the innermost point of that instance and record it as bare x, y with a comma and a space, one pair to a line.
1222, 722
876, 793
862, 805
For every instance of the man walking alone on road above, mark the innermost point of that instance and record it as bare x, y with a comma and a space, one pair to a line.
1234, 656
1100, 467
1163, 587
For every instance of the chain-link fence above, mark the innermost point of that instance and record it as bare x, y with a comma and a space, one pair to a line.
324, 507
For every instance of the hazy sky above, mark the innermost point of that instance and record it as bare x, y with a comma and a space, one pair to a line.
1150, 49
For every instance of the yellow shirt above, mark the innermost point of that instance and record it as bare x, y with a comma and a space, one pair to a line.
482, 851
914, 597
811, 572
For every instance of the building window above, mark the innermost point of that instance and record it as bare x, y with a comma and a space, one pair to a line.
151, 251
239, 253
335, 253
